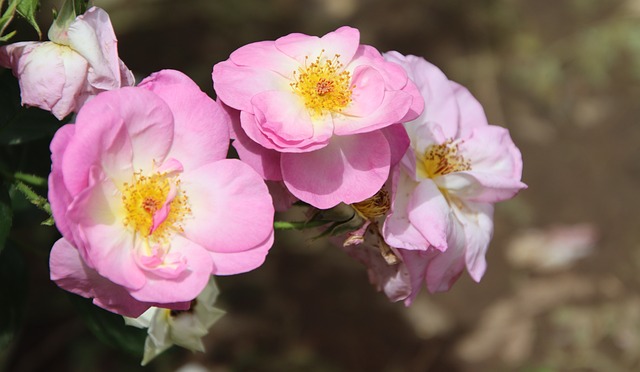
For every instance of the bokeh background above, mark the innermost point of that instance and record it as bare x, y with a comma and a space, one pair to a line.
561, 290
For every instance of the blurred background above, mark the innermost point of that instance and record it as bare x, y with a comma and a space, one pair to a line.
561, 290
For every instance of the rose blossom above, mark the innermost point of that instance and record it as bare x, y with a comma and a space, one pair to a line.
79, 62
442, 192
146, 202
310, 110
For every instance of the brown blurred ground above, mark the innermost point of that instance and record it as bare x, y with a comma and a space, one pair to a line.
562, 76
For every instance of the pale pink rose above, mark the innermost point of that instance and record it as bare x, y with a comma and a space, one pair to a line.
62, 74
310, 110
457, 167
147, 204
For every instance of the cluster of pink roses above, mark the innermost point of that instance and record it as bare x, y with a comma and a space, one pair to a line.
335, 122
149, 208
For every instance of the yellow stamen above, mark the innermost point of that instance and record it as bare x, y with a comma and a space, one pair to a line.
439, 160
145, 196
374, 207
323, 85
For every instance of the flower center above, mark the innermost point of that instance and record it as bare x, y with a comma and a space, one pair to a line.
439, 160
374, 207
154, 205
323, 85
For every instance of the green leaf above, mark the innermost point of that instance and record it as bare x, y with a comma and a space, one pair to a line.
34, 198
13, 292
80, 6
7, 17
340, 219
7, 36
27, 9
298, 225
110, 328
6, 216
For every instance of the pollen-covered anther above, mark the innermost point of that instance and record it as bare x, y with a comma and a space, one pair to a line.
324, 85
376, 206
442, 159
157, 196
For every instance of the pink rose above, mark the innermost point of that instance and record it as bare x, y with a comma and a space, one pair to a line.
62, 74
310, 110
457, 167
147, 204
441, 194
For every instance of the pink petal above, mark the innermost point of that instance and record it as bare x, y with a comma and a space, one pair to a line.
471, 112
496, 167
416, 263
343, 42
75, 82
188, 285
231, 207
171, 166
367, 93
430, 214
172, 266
350, 169
161, 214
111, 128
235, 85
92, 36
264, 55
201, 126
446, 267
282, 117
441, 105
72, 274
42, 71
394, 75
393, 108
480, 187
417, 102
95, 217
59, 196
438, 269
11, 55
398, 231
491, 150
126, 76
230, 263
398, 140
477, 222
264, 161
253, 126
423, 136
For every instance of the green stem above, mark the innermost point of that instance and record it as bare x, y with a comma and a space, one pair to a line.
31, 179
297, 225
33, 197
